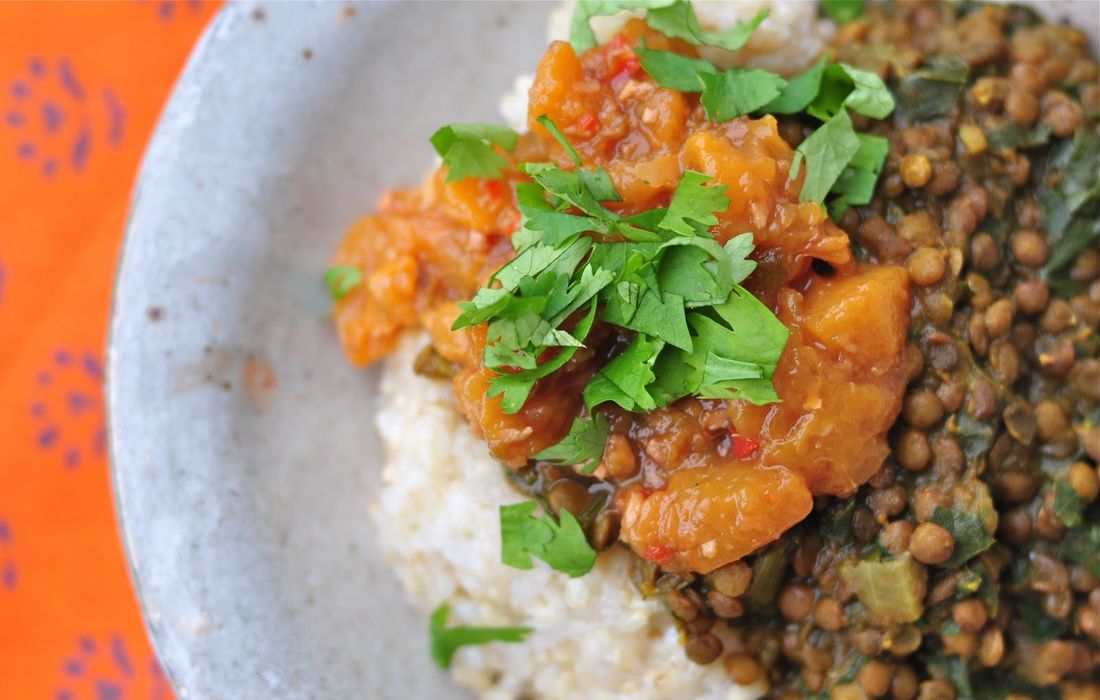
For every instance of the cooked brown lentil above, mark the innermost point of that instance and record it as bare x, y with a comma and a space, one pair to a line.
931, 544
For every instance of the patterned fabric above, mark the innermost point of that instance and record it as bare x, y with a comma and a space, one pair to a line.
81, 85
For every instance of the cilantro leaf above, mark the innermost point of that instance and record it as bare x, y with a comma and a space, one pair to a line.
694, 204
625, 378
1068, 506
845, 86
725, 94
799, 91
576, 189
445, 641
581, 35
678, 20
826, 152
968, 531
869, 96
669, 263
467, 149
738, 91
560, 543
674, 71
341, 279
737, 250
513, 388
583, 446
856, 185
842, 10
550, 126
658, 314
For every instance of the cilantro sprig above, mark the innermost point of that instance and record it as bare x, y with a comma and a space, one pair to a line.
468, 150
560, 543
445, 641
582, 446
342, 279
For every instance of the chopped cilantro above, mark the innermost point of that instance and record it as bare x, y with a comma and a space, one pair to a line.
445, 640
738, 91
869, 95
583, 446
725, 94
341, 279
642, 273
799, 91
826, 153
560, 543
673, 70
856, 185
843, 10
694, 205
468, 149
968, 531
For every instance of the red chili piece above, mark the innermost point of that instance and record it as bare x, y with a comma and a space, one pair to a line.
744, 447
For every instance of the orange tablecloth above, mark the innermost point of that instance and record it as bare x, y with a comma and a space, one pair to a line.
81, 85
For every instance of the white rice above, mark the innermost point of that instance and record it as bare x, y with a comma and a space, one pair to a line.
596, 637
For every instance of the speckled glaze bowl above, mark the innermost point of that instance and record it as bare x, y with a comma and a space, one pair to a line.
243, 446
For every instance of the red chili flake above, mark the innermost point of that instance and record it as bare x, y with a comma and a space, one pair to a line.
589, 122
632, 66
658, 553
619, 42
744, 447
494, 188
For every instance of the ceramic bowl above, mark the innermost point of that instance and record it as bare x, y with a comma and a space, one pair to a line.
243, 446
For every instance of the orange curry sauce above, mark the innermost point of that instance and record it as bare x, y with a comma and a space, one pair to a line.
703, 482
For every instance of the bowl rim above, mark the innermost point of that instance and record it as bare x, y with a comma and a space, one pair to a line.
162, 131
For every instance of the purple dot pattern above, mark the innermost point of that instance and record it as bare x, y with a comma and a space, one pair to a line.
103, 669
9, 575
166, 9
67, 408
59, 120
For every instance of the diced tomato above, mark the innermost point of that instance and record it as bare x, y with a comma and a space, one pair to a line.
744, 447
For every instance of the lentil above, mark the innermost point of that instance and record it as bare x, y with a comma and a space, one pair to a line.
916, 170
931, 544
